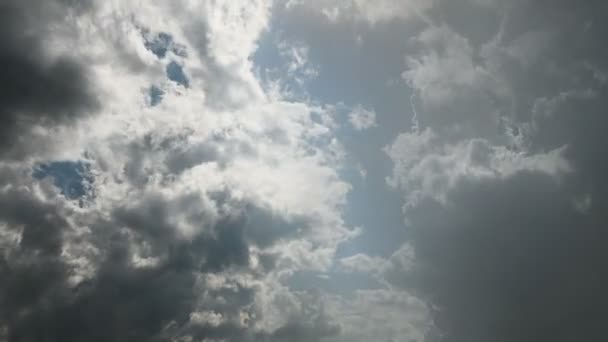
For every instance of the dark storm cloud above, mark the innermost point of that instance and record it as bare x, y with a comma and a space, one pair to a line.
40, 223
34, 89
121, 301
522, 258
512, 260
30, 267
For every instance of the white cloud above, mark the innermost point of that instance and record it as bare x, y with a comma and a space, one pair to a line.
439, 74
362, 118
371, 12
222, 134
395, 272
361, 263
426, 166
380, 315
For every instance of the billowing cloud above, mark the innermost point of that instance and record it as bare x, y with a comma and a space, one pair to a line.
173, 212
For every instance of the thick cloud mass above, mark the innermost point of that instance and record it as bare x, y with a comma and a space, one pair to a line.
509, 245
525, 266
187, 212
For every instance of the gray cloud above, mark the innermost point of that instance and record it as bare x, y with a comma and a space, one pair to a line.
149, 280
511, 260
517, 255
36, 89
127, 300
174, 242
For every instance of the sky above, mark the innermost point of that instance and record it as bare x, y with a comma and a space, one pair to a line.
303, 170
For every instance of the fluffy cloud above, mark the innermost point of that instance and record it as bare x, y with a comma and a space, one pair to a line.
200, 194
361, 118
427, 167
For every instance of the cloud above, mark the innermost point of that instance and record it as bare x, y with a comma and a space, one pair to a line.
515, 268
505, 232
381, 11
427, 167
380, 314
197, 200
39, 89
458, 94
361, 118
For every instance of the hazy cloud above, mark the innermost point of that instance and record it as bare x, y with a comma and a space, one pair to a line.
361, 118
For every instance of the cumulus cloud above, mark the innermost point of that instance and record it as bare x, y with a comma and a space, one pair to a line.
192, 208
361, 118
426, 167
452, 90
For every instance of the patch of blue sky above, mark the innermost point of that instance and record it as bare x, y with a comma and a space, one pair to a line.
175, 73
268, 57
272, 66
72, 178
162, 43
155, 95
